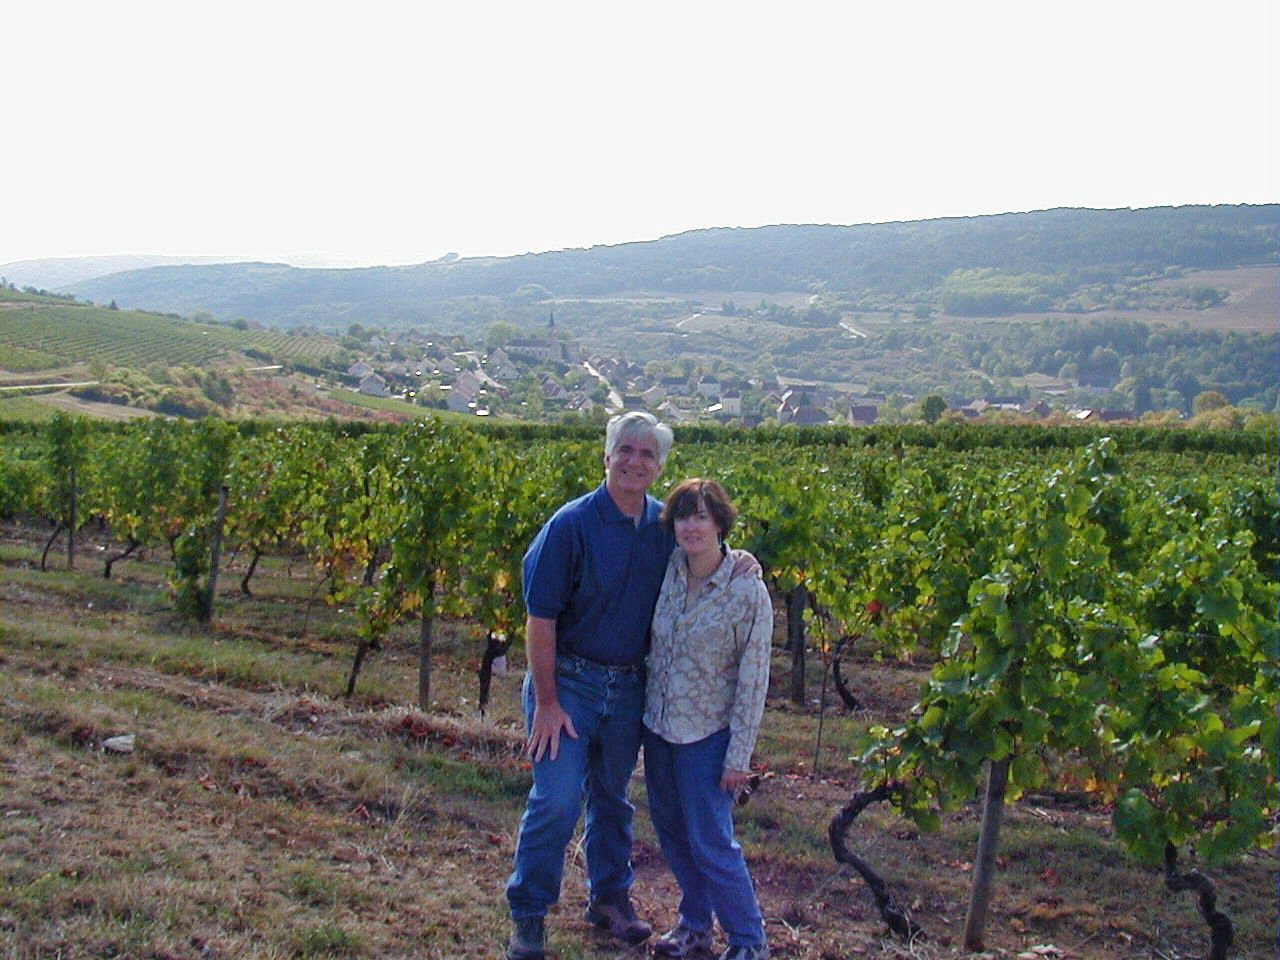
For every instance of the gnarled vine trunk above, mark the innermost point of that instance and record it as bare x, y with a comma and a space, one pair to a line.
1221, 933
248, 574
494, 648
893, 915
424, 648
127, 552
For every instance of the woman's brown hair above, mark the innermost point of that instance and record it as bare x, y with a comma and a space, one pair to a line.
688, 495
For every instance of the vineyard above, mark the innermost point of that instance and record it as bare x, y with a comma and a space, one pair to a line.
37, 336
1093, 621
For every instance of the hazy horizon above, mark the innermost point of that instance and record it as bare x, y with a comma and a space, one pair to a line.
400, 134
318, 261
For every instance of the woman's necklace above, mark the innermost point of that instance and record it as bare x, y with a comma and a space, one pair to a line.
694, 583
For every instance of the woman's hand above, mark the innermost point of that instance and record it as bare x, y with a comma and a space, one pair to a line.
734, 780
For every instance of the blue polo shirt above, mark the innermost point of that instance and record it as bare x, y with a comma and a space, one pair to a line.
597, 575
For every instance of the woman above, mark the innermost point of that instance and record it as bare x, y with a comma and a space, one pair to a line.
708, 674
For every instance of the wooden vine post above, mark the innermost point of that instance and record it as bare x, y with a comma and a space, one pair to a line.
71, 524
985, 867
796, 598
215, 553
424, 646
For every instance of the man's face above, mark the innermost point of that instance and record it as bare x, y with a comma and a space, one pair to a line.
633, 465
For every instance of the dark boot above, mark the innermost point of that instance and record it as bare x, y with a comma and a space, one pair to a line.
616, 915
528, 941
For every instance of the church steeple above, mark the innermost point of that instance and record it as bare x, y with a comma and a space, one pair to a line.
551, 319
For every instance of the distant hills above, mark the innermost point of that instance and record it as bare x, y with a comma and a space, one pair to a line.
969, 265
59, 273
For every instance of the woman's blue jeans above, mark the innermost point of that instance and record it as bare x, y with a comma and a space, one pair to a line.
693, 818
606, 705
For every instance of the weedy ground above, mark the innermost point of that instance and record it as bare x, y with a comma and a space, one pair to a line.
261, 815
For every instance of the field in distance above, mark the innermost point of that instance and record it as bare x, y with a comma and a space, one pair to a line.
1250, 303
52, 348
40, 333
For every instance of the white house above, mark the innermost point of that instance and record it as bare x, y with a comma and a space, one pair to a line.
862, 414
499, 366
459, 402
540, 349
374, 386
669, 412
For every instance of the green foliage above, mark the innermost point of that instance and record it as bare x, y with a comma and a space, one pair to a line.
190, 566
276, 484
207, 448
1115, 631
933, 407
37, 334
158, 481
25, 473
24, 359
515, 490
427, 524
1104, 616
990, 293
325, 940
1208, 400
67, 452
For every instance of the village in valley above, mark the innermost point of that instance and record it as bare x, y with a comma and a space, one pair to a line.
552, 377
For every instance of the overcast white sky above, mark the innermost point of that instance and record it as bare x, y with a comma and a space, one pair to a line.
385, 132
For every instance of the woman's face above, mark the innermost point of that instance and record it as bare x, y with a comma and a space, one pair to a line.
697, 533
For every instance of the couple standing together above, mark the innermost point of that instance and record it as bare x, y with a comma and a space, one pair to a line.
606, 573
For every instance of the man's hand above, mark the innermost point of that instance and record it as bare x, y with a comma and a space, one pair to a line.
548, 716
745, 564
544, 735
734, 780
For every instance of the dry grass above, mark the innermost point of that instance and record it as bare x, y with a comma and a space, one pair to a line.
64, 401
263, 816
1250, 306
1251, 297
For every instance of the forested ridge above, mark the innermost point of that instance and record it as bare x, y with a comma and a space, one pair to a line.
1060, 250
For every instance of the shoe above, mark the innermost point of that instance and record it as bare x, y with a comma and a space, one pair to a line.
759, 952
528, 940
616, 915
682, 941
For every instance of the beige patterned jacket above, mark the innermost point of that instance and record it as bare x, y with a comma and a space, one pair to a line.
709, 665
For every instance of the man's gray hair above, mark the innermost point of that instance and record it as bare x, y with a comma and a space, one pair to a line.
637, 423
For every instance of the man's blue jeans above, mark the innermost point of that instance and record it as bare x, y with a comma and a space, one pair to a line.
693, 818
605, 704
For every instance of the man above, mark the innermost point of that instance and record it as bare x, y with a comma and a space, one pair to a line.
591, 579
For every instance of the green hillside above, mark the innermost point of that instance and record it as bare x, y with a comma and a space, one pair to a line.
40, 332
991, 265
